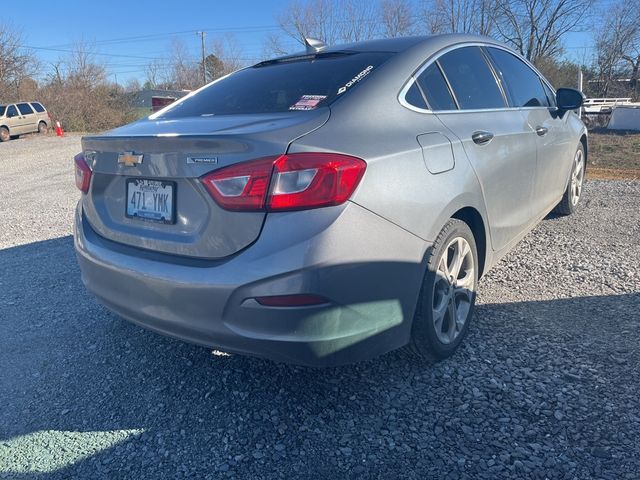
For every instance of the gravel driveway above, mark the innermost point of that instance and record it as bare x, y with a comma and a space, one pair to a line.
545, 386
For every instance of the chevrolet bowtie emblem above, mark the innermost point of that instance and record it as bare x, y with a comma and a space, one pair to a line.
130, 159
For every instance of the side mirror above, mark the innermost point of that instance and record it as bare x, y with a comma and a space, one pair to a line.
569, 99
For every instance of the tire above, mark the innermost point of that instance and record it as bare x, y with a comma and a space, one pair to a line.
4, 134
433, 335
42, 128
573, 192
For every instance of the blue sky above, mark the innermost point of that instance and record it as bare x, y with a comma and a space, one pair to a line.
105, 24
63, 22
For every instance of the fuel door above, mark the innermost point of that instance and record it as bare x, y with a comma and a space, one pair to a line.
437, 152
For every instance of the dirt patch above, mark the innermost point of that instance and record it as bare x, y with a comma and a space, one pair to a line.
594, 173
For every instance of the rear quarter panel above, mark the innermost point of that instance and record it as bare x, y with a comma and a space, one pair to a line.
397, 185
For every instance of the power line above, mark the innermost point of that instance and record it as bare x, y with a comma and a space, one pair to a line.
153, 36
140, 37
85, 52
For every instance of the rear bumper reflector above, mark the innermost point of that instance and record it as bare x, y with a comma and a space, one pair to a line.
291, 300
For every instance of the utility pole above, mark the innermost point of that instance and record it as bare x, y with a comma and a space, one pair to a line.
580, 87
204, 56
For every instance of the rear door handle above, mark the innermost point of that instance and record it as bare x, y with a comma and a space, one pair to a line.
541, 131
482, 137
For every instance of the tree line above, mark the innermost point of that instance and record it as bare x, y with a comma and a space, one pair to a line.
78, 90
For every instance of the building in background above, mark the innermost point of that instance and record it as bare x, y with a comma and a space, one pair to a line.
151, 100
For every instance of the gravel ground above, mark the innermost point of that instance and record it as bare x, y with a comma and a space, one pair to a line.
545, 386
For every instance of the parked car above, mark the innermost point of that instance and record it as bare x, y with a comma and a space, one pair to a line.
25, 117
328, 206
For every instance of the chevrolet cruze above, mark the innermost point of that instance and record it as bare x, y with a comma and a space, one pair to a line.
328, 206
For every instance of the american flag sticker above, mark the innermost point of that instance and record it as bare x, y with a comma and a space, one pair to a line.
307, 102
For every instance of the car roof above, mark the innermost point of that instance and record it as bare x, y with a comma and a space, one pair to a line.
400, 44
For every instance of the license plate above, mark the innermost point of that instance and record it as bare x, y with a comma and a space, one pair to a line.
151, 200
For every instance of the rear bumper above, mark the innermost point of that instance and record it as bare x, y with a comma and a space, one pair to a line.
370, 269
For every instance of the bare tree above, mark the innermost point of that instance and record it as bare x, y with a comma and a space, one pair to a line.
332, 21
132, 86
274, 45
185, 70
536, 27
634, 65
229, 55
618, 47
16, 63
83, 70
79, 95
311, 19
55, 77
358, 20
397, 18
460, 16
155, 73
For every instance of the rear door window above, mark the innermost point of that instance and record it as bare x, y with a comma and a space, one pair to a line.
25, 109
37, 107
435, 89
12, 111
297, 84
522, 83
471, 79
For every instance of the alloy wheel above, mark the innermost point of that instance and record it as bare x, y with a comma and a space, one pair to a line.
577, 177
453, 290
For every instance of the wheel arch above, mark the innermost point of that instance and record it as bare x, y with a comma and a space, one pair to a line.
585, 145
475, 222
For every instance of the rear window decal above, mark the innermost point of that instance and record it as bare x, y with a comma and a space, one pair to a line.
307, 102
355, 79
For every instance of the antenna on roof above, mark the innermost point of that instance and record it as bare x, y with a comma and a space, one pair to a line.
314, 45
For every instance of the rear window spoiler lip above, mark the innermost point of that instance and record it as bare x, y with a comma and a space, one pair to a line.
324, 54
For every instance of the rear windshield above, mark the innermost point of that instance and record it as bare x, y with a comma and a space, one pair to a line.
305, 83
2, 110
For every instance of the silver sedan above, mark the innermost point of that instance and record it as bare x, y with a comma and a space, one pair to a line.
329, 206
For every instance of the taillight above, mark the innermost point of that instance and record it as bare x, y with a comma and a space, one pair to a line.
83, 173
309, 180
289, 182
241, 187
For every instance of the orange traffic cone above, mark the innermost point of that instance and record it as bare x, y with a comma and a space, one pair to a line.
59, 131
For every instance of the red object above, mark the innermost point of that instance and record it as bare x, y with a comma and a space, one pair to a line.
59, 131
303, 300
83, 173
295, 181
158, 103
242, 186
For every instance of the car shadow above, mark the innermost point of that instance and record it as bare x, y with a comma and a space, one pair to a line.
138, 401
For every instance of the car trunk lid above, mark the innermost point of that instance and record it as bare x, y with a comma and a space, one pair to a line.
175, 154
